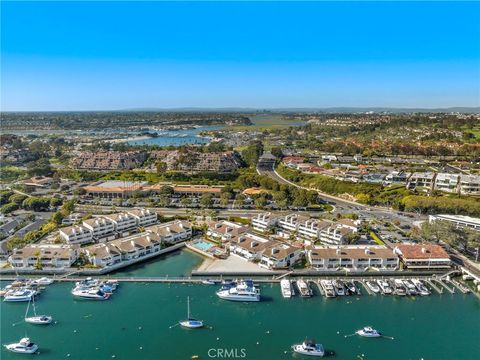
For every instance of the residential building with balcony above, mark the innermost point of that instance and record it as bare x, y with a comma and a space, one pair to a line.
458, 220
264, 222
469, 184
225, 230
123, 223
44, 256
447, 182
423, 256
144, 217
102, 228
172, 232
76, 234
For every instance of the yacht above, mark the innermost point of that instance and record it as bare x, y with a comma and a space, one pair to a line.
304, 289
190, 323
352, 289
328, 288
36, 319
90, 294
286, 288
243, 291
24, 346
368, 331
19, 295
421, 287
208, 282
309, 347
42, 281
339, 289
385, 287
373, 286
88, 283
411, 288
400, 289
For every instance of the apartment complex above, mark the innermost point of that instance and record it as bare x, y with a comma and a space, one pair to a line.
264, 222
109, 160
352, 258
195, 161
171, 232
76, 234
225, 230
44, 256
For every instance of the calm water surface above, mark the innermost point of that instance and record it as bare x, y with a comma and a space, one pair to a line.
135, 323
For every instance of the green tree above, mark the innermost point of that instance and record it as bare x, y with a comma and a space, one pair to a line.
9, 208
206, 200
252, 153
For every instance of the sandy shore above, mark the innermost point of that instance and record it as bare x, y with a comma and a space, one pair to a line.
233, 264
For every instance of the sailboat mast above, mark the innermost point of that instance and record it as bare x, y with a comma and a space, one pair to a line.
188, 307
28, 306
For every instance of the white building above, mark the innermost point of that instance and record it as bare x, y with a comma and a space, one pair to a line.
423, 256
264, 222
352, 258
469, 184
144, 217
280, 255
446, 182
101, 228
396, 177
290, 223
225, 230
459, 220
172, 232
104, 254
44, 256
421, 180
311, 228
76, 234
123, 223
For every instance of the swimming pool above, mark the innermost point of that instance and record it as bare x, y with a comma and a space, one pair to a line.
202, 245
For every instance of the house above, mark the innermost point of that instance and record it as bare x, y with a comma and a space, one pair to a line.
104, 254
469, 184
264, 222
225, 230
172, 232
76, 234
143, 217
423, 256
123, 223
447, 182
421, 180
396, 177
45, 256
280, 255
352, 258
102, 228
459, 220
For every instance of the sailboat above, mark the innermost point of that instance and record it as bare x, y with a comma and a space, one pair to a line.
37, 319
190, 322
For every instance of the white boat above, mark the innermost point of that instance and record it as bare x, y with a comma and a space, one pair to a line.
88, 283
385, 287
36, 319
310, 348
190, 323
352, 289
42, 281
243, 291
208, 282
400, 288
304, 289
411, 288
90, 294
339, 288
19, 295
328, 288
368, 331
24, 346
373, 286
421, 287
286, 288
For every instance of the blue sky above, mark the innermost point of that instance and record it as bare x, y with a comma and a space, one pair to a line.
120, 55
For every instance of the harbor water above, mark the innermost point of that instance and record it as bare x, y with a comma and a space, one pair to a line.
136, 323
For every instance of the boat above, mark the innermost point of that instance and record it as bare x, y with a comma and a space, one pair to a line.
42, 281
242, 291
36, 319
384, 287
208, 282
373, 286
190, 323
411, 288
304, 289
368, 331
286, 288
421, 287
90, 294
351, 288
400, 289
310, 348
328, 288
338, 286
88, 283
24, 346
19, 295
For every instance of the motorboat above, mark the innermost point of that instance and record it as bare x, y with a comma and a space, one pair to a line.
373, 286
243, 291
411, 288
36, 319
190, 323
19, 295
351, 288
384, 287
90, 294
42, 281
423, 290
400, 289
328, 288
24, 346
304, 289
208, 282
368, 331
286, 288
310, 348
88, 283
339, 288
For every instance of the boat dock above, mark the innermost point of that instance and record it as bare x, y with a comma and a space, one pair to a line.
362, 282
435, 287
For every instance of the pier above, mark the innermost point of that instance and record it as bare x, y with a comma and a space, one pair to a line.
435, 287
